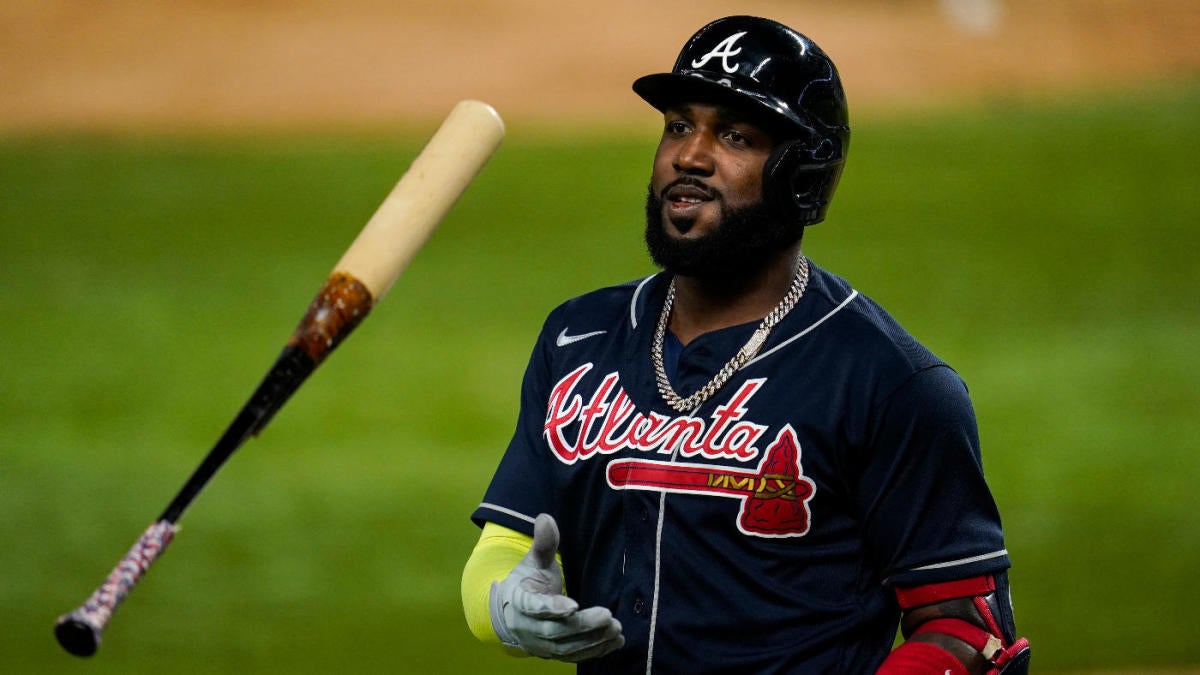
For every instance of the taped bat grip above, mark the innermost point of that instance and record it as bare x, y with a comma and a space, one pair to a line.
80, 631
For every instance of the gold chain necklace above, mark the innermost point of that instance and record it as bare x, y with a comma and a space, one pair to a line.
747, 352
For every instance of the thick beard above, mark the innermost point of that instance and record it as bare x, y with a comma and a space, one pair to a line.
746, 239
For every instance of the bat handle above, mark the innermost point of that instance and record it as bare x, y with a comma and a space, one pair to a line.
79, 632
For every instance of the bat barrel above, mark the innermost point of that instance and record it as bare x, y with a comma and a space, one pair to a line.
447, 164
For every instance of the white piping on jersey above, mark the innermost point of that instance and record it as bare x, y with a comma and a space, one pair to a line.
662, 511
662, 515
662, 500
962, 561
662, 508
633, 303
501, 509
804, 332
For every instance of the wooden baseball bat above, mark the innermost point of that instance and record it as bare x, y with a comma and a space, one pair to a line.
400, 226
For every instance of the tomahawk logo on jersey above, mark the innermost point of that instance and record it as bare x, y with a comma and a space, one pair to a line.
774, 498
817, 475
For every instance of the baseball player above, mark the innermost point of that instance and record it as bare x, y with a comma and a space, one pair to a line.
742, 464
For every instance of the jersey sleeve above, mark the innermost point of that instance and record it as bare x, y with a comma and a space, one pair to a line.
929, 515
521, 487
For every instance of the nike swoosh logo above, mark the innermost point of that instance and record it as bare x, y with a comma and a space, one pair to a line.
563, 339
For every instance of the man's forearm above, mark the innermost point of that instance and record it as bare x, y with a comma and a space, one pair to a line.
498, 550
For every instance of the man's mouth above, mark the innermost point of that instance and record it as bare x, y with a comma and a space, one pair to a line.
684, 194
683, 200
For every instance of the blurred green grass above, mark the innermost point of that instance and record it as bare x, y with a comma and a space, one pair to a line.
1046, 250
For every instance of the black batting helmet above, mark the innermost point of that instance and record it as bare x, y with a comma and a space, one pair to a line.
781, 76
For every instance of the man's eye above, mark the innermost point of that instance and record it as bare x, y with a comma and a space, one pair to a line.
736, 137
676, 127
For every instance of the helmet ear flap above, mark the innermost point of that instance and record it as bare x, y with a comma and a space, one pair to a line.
800, 176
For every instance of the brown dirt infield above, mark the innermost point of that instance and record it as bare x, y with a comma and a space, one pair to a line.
245, 64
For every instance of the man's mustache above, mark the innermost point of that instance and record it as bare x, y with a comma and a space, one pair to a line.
692, 182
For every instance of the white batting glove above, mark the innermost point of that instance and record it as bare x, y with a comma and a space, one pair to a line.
529, 610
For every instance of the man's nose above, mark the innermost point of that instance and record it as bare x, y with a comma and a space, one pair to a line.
695, 154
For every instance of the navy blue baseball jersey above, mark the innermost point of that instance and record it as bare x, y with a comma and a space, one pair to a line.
761, 532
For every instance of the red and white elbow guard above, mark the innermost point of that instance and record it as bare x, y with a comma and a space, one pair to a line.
976, 611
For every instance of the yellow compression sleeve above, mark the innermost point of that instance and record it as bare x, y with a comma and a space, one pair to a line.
497, 552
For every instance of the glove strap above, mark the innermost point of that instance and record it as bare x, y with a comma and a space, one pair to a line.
496, 609
987, 644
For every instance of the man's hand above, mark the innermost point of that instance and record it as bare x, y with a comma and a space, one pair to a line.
529, 610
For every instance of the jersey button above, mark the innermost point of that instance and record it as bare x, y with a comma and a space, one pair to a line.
639, 606
645, 514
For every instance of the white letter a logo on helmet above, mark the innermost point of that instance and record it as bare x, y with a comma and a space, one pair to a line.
724, 49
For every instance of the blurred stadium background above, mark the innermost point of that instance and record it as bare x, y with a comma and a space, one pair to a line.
176, 180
